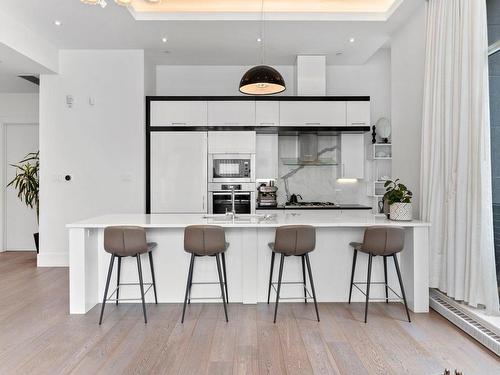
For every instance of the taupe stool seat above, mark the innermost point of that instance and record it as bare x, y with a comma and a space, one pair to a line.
381, 241
206, 240
293, 240
127, 241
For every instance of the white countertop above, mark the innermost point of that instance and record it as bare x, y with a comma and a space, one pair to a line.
316, 219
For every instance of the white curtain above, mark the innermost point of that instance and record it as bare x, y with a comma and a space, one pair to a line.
456, 162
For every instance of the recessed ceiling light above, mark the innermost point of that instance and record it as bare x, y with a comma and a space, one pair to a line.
57, 23
259, 40
164, 40
352, 40
339, 53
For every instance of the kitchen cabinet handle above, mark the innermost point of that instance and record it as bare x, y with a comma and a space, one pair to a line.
267, 123
231, 123
343, 170
358, 123
179, 123
313, 123
203, 203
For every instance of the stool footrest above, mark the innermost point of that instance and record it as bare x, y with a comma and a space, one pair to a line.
273, 284
149, 285
355, 284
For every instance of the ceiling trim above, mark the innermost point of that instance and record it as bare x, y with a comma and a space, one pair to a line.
268, 16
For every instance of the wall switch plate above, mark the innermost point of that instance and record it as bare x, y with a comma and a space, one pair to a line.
91, 100
69, 101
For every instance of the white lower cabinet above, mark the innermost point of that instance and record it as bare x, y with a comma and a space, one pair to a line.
352, 156
178, 172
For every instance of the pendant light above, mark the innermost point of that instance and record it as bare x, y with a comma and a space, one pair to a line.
262, 79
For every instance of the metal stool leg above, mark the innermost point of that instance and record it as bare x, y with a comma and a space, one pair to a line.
188, 285
273, 254
401, 285
224, 273
304, 278
385, 276
153, 275
312, 285
368, 280
279, 286
217, 260
118, 279
354, 258
141, 286
110, 271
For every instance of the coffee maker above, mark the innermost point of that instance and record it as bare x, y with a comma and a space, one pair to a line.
267, 192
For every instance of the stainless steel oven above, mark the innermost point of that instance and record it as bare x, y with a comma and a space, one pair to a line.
220, 198
231, 168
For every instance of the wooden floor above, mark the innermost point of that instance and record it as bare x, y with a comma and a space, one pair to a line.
38, 336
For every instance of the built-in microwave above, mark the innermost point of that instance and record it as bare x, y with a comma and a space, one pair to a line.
231, 168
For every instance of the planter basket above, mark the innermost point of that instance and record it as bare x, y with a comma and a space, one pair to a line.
401, 211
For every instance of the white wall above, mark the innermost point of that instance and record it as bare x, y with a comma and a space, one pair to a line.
407, 77
209, 79
14, 109
101, 146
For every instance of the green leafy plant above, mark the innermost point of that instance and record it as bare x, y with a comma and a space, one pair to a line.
396, 192
26, 181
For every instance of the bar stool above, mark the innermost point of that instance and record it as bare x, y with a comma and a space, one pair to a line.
206, 240
293, 240
385, 242
127, 241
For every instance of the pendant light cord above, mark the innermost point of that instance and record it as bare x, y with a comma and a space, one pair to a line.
262, 33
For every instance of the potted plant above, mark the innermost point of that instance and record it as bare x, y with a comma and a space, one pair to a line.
26, 182
398, 198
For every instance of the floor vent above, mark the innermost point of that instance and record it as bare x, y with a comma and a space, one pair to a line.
463, 320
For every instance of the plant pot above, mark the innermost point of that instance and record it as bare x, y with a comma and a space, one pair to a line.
36, 237
401, 212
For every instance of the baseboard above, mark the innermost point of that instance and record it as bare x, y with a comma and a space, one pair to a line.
53, 260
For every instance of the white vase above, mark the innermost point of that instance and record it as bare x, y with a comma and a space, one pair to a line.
401, 211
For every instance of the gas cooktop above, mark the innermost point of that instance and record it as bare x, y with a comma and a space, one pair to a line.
310, 204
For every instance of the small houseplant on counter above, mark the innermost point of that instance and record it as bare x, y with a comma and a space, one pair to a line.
26, 183
398, 199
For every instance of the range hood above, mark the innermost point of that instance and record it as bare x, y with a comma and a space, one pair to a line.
309, 154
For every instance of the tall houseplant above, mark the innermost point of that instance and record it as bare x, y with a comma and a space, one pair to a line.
398, 198
26, 182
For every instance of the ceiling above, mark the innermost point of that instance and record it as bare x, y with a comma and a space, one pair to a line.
190, 42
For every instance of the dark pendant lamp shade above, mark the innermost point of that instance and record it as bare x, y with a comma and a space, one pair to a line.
262, 80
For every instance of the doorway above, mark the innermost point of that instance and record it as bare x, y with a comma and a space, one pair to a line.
19, 220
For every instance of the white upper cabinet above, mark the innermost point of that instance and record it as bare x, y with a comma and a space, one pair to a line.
358, 113
178, 113
313, 113
231, 113
267, 159
267, 113
231, 142
352, 156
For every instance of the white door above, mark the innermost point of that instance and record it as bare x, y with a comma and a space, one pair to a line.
352, 151
358, 113
178, 172
178, 113
20, 221
231, 113
312, 113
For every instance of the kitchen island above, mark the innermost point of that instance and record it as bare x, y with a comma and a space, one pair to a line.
248, 258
